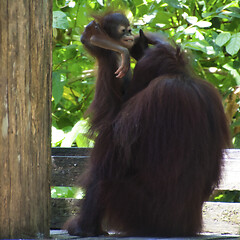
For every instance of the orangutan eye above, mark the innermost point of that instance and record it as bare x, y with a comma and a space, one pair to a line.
121, 29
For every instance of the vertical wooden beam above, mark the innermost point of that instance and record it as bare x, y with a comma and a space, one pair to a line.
25, 123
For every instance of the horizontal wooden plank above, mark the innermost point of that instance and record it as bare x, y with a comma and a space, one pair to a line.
232, 154
72, 151
230, 179
67, 169
69, 163
231, 170
218, 218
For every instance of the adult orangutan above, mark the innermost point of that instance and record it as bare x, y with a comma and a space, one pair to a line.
159, 143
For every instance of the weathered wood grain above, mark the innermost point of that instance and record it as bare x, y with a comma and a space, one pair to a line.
25, 111
67, 169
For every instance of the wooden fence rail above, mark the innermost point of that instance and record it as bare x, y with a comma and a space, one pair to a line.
219, 218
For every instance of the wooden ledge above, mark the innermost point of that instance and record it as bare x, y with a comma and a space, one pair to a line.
61, 234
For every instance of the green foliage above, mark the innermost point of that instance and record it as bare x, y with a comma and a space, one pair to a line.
77, 134
60, 20
78, 193
67, 192
209, 29
226, 196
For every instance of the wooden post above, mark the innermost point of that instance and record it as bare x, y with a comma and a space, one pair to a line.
25, 110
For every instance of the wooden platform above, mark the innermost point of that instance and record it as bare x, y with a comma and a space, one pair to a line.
220, 220
61, 234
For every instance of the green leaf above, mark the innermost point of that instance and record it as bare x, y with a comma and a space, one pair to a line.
100, 2
234, 44
162, 17
58, 82
202, 46
173, 3
68, 94
190, 30
203, 24
64, 192
235, 15
79, 127
57, 136
236, 64
220, 9
223, 38
81, 17
60, 20
199, 35
234, 9
192, 19
71, 51
82, 141
233, 72
138, 2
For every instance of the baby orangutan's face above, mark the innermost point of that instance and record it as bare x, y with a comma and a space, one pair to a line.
127, 38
